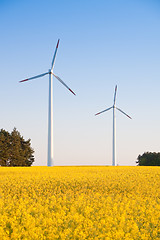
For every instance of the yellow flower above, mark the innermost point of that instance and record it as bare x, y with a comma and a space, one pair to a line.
80, 203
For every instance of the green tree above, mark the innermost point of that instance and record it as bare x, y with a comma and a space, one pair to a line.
149, 159
14, 150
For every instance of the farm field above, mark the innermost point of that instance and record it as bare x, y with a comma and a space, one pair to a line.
80, 203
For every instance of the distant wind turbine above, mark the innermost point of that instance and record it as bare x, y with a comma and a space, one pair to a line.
114, 125
50, 110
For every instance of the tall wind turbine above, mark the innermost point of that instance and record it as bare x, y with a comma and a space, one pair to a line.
114, 125
50, 110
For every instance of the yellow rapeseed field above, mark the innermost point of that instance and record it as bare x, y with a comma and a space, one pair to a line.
80, 203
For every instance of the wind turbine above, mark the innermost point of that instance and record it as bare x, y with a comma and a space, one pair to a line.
50, 110
114, 125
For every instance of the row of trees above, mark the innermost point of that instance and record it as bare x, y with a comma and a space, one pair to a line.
149, 159
14, 150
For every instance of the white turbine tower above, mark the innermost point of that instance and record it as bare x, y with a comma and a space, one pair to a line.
50, 110
114, 125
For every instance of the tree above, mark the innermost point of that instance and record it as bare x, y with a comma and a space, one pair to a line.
149, 159
14, 150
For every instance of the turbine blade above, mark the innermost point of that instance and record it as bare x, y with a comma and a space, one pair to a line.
123, 113
115, 95
103, 111
38, 76
63, 83
54, 56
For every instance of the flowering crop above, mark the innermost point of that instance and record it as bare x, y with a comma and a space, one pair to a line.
80, 203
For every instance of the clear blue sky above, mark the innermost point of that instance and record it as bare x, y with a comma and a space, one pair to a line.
102, 43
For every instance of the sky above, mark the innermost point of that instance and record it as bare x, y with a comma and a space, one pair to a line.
102, 43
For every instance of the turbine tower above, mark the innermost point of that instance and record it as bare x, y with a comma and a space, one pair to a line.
50, 110
114, 163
